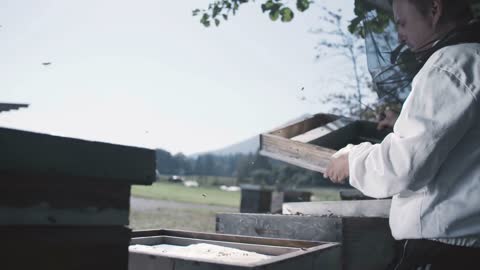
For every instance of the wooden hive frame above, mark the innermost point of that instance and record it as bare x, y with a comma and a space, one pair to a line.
311, 142
286, 253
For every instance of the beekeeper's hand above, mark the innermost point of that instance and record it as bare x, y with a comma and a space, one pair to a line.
338, 170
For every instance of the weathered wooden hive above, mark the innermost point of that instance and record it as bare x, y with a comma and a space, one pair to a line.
258, 199
65, 202
361, 227
280, 254
310, 143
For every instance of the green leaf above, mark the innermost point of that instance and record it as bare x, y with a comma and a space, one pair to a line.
225, 16
264, 7
267, 5
216, 11
303, 5
205, 20
217, 22
362, 8
274, 15
287, 14
359, 8
195, 12
353, 26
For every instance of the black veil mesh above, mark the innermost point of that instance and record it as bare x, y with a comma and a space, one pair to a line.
391, 78
393, 66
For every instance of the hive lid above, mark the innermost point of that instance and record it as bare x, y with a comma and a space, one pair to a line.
33, 156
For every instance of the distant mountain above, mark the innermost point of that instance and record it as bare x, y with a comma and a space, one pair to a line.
249, 145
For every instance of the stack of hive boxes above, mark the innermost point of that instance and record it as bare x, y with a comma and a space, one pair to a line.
64, 202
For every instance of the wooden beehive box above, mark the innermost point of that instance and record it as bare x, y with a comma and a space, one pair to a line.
285, 254
65, 202
52, 180
360, 226
311, 142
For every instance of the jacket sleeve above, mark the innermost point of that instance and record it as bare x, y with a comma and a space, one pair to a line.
436, 115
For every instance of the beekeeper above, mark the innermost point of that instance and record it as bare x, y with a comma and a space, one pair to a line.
430, 163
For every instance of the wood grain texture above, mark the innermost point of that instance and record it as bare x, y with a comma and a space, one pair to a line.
321, 131
293, 144
304, 125
308, 255
48, 202
296, 227
362, 208
367, 243
225, 237
29, 154
307, 156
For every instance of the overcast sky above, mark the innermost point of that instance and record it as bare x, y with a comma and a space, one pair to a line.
146, 73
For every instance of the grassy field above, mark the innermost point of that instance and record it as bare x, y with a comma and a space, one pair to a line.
199, 220
176, 192
195, 218
324, 193
212, 195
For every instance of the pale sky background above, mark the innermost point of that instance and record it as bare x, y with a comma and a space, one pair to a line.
146, 73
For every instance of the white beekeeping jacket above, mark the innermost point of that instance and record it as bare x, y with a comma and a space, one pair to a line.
430, 164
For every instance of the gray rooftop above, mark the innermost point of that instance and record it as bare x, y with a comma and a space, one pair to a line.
11, 106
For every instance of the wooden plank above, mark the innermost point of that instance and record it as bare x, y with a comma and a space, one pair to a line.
321, 131
339, 138
43, 214
296, 227
365, 229
360, 237
363, 208
329, 259
311, 256
304, 125
47, 202
30, 155
227, 237
311, 143
307, 156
